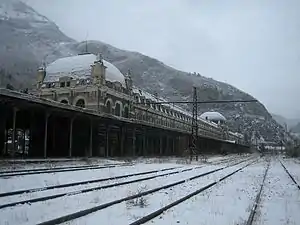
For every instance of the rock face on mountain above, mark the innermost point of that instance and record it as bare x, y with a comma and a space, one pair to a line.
28, 39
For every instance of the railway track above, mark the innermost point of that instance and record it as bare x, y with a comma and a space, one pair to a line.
258, 197
6, 174
223, 161
158, 212
45, 198
87, 211
289, 174
60, 170
48, 169
24, 191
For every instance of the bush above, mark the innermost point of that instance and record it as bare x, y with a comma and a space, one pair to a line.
141, 201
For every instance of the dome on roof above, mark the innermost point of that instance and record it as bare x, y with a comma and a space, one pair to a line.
79, 66
213, 116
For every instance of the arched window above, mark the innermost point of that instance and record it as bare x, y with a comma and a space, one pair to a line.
118, 109
137, 99
80, 103
108, 107
126, 112
64, 101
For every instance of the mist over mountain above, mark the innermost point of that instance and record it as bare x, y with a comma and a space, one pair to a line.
296, 128
290, 123
28, 39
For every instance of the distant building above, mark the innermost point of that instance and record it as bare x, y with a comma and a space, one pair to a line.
215, 117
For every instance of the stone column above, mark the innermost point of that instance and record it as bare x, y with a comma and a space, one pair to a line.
46, 134
149, 145
173, 144
133, 141
144, 142
24, 141
122, 140
71, 136
160, 144
14, 131
31, 128
167, 145
2, 132
54, 136
91, 139
107, 140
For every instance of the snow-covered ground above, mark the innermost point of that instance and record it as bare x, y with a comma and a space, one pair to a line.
49, 179
132, 210
30, 195
293, 167
280, 202
227, 202
19, 164
41, 211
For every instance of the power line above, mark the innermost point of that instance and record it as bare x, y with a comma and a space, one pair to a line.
199, 102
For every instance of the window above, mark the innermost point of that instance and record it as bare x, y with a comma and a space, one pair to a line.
108, 107
118, 109
126, 112
68, 83
62, 84
80, 103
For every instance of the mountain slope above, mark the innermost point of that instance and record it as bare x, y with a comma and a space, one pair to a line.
28, 38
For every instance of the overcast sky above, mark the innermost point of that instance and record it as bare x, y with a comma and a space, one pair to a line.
253, 45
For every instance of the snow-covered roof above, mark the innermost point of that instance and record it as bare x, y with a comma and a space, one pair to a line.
79, 66
236, 134
216, 116
153, 98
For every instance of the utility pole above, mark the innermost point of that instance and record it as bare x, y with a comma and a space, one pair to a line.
193, 147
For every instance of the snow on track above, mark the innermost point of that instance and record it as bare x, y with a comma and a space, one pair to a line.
226, 203
42, 211
129, 211
14, 165
44, 180
293, 168
78, 188
280, 200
